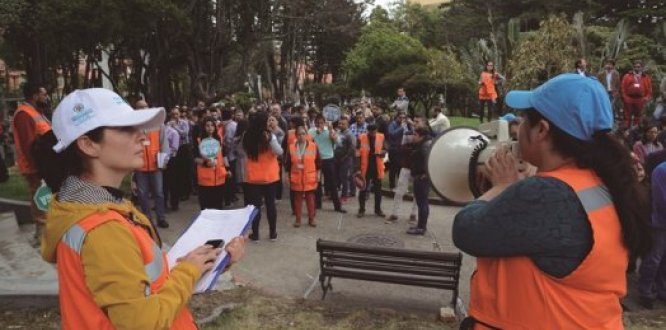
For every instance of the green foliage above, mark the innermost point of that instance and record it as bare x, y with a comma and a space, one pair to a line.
549, 51
380, 50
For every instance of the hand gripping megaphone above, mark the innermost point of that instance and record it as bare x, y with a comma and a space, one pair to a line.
456, 159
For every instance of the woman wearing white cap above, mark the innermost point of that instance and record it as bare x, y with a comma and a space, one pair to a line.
552, 250
112, 272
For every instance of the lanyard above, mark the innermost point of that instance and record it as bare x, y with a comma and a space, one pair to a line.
301, 151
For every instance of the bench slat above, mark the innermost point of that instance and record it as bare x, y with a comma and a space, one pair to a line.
379, 277
390, 267
323, 245
392, 260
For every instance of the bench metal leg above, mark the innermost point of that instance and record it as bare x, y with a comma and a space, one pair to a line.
325, 286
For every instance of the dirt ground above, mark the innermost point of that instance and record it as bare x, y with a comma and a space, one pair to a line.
247, 308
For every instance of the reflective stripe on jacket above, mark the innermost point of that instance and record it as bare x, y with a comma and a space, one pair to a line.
78, 307
513, 293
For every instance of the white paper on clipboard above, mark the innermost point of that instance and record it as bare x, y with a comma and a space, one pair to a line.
212, 224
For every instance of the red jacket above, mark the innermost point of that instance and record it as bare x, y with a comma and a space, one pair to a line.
636, 87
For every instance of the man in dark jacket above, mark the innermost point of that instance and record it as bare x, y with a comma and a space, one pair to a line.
419, 155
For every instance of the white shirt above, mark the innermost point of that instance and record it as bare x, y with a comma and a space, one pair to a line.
440, 123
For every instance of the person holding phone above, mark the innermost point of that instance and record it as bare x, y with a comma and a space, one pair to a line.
112, 271
262, 171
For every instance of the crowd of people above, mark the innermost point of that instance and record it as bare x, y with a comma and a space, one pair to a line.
218, 152
588, 169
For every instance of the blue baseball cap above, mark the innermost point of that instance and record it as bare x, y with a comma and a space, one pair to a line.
578, 105
509, 117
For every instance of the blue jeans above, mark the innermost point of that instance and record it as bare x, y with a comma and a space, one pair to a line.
652, 279
150, 183
421, 191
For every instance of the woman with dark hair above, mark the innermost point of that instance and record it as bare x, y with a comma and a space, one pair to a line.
648, 143
487, 91
552, 250
261, 171
112, 272
212, 166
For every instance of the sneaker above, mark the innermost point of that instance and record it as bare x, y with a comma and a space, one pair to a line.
273, 237
380, 214
297, 224
163, 224
361, 214
312, 223
254, 237
391, 219
341, 210
416, 231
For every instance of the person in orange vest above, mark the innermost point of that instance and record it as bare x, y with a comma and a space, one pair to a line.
487, 91
112, 272
261, 171
371, 153
30, 123
552, 249
290, 139
148, 178
636, 92
303, 166
212, 167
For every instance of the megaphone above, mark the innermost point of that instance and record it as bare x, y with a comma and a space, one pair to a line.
457, 156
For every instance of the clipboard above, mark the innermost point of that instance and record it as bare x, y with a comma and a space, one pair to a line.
212, 224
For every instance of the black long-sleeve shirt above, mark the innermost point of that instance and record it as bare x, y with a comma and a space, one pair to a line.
541, 218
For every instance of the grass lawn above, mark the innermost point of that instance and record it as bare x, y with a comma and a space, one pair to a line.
464, 121
17, 188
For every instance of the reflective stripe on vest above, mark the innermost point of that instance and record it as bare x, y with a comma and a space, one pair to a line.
41, 127
303, 179
79, 309
513, 292
594, 198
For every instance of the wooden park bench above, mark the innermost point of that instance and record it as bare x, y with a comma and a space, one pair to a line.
390, 265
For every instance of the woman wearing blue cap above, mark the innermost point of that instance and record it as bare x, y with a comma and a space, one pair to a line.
552, 250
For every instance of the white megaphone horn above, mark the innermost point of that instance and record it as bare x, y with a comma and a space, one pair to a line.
457, 156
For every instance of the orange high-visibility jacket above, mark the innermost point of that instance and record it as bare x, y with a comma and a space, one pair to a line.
41, 127
364, 150
150, 150
303, 174
264, 170
78, 307
487, 90
212, 176
513, 293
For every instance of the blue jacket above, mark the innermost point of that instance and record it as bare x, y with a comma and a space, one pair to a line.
395, 133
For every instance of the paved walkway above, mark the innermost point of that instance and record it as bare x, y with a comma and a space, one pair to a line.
290, 266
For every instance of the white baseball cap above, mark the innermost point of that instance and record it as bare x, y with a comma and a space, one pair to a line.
87, 109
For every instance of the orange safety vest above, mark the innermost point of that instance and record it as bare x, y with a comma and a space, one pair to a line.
212, 176
77, 305
487, 90
42, 126
303, 174
263, 170
513, 293
364, 150
150, 151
